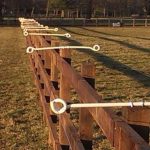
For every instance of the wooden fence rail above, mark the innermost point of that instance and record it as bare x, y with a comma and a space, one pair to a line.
54, 78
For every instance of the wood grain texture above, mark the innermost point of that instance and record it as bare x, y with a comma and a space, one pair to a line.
137, 115
119, 133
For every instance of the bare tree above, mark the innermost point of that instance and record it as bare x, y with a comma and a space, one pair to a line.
1, 6
75, 8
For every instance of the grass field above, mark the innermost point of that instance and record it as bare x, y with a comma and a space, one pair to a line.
123, 68
21, 125
122, 74
122, 64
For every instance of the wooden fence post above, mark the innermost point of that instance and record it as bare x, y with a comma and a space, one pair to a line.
85, 118
84, 22
47, 68
133, 23
146, 22
109, 22
48, 39
37, 43
139, 119
54, 70
96, 21
65, 95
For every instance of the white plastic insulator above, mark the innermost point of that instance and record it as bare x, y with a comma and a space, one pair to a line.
30, 49
67, 35
46, 27
60, 110
25, 33
96, 47
55, 29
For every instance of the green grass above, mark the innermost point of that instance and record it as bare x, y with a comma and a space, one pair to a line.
21, 124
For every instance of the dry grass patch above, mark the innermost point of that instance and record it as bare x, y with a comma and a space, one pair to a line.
122, 65
123, 68
21, 125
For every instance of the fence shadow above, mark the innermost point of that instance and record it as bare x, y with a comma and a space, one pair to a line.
110, 34
113, 64
124, 43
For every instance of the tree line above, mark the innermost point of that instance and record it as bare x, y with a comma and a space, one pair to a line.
101, 8
76, 8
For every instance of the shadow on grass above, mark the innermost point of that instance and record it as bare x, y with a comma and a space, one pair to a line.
126, 44
113, 64
117, 35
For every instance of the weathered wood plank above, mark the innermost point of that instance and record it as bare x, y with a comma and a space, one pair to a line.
104, 117
54, 95
108, 122
51, 126
71, 133
139, 119
85, 118
137, 115
126, 139
64, 94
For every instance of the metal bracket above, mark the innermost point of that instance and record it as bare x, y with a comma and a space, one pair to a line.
27, 25
47, 34
31, 23
40, 29
39, 26
25, 20
92, 105
32, 49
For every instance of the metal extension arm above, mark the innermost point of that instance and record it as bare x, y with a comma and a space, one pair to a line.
92, 105
32, 49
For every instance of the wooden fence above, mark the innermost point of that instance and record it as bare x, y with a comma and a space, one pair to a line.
125, 22
55, 77
94, 22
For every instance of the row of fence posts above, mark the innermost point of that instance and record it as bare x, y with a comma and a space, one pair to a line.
95, 22
84, 22
121, 21
138, 118
62, 89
